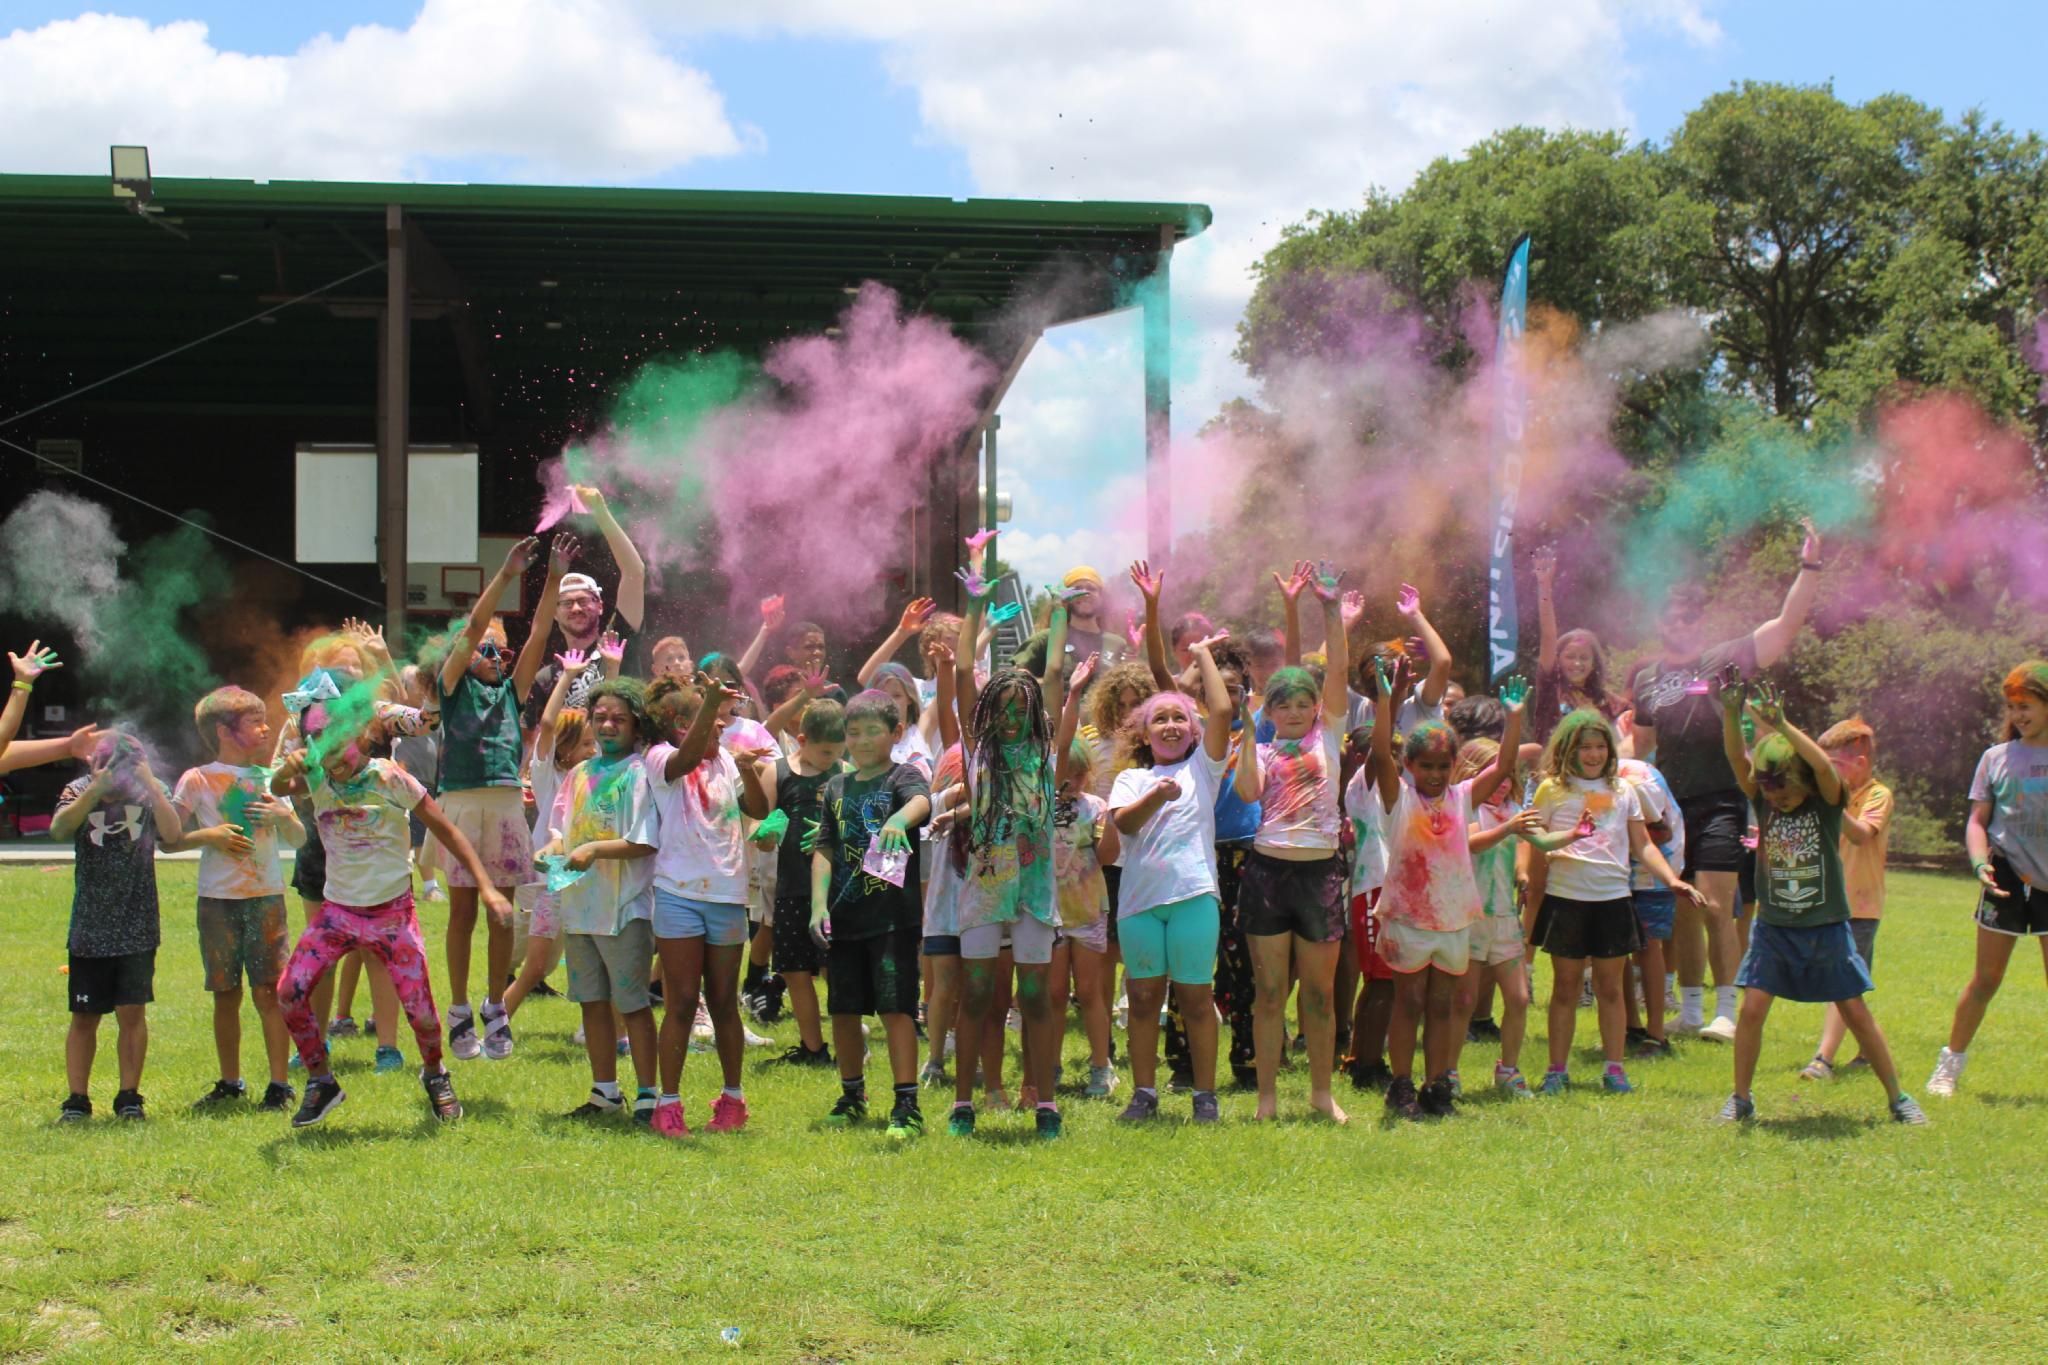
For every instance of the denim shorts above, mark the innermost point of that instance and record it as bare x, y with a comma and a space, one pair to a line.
716, 922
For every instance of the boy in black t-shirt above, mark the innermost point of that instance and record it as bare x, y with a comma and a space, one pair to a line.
870, 904
115, 816
799, 783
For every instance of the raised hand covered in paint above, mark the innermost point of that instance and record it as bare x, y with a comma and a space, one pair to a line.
1291, 586
770, 831
1007, 611
1326, 581
1731, 695
1208, 643
521, 554
916, 614
1514, 691
978, 540
561, 550
1354, 608
1545, 564
1061, 594
1084, 675
1134, 634
1770, 707
611, 650
1409, 602
34, 662
971, 581
575, 661
816, 684
1809, 548
587, 499
772, 612
1148, 584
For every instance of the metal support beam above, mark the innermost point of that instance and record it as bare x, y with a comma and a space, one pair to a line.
394, 435
1158, 323
957, 508
988, 486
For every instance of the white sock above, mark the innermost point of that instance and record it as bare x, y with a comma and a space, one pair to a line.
608, 1089
733, 1092
1689, 1002
1724, 1002
458, 1011
668, 1098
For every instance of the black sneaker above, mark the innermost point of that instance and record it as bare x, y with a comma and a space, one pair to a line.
1245, 1077
128, 1105
596, 1107
441, 1095
803, 1056
1434, 1099
1651, 1047
224, 1093
851, 1109
76, 1109
542, 989
1369, 1074
1634, 1034
1401, 1098
1482, 1030
277, 1097
1048, 1123
321, 1099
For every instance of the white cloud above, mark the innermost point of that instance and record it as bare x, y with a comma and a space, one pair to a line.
543, 89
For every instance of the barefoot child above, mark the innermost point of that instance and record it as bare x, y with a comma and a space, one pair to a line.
1800, 947
362, 805
115, 817
237, 825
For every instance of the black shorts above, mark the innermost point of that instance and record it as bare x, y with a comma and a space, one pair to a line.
1576, 929
100, 985
873, 975
309, 868
1282, 896
1714, 826
795, 949
941, 945
2021, 912
1113, 878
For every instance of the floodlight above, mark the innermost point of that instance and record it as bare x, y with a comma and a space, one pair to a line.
131, 174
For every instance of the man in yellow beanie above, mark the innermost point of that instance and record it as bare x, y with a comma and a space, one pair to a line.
1084, 617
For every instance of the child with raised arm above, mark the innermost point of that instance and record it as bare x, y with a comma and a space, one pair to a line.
1424, 700
1800, 947
237, 825
2006, 836
1588, 914
1431, 897
703, 794
1006, 742
363, 807
1497, 945
115, 817
864, 908
1084, 839
561, 741
480, 751
1292, 896
601, 861
1367, 818
1866, 832
1164, 806
25, 668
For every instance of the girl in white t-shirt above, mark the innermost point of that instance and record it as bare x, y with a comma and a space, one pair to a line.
561, 741
1291, 897
1587, 914
1168, 917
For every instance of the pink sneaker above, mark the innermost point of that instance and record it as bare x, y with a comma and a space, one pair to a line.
728, 1115
668, 1120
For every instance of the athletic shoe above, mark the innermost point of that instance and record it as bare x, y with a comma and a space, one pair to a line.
432, 892
851, 1109
803, 1056
542, 989
668, 1121
463, 1044
1906, 1109
1857, 1064
1690, 1023
320, 1101
1049, 1120
753, 1039
1510, 1080
295, 1062
1482, 1030
1457, 1085
1101, 1081
343, 1027
1819, 1069
128, 1105
76, 1109
1554, 1083
1651, 1047
597, 1106
1369, 1074
223, 1094
1615, 1082
577, 1036
701, 1026
1434, 1098
960, 1123
1402, 1101
1948, 1069
389, 1059
933, 1077
1207, 1110
277, 1097
1672, 1004
728, 1115
625, 1047
441, 1096
1721, 1030
906, 1121
1586, 1000
1737, 1110
644, 1104
497, 1033
1144, 1105
1634, 1034
1014, 1020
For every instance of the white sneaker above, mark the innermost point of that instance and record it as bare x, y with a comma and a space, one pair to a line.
432, 891
702, 1028
1690, 1023
577, 1038
1672, 1004
1948, 1068
1721, 1030
753, 1039
949, 1045
1015, 1022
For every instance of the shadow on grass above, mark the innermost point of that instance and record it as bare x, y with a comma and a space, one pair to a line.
1817, 1127
426, 1128
1998, 1101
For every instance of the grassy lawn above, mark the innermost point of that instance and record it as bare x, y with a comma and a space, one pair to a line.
1580, 1227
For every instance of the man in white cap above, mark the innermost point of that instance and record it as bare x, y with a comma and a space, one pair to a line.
580, 618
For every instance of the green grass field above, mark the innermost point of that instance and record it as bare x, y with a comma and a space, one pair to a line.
1583, 1227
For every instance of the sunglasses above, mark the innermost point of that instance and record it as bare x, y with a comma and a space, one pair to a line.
489, 650
1770, 780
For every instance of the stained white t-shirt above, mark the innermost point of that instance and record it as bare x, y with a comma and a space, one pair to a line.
1172, 857
1597, 867
1430, 883
1368, 832
1298, 807
2013, 777
204, 797
366, 829
702, 851
1658, 806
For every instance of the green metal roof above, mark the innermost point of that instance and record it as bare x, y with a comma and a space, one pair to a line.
622, 274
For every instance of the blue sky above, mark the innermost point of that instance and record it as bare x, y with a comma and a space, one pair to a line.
1060, 98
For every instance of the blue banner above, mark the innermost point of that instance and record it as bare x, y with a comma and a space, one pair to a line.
1503, 624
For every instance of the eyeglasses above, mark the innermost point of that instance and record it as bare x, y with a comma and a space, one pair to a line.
1771, 780
489, 650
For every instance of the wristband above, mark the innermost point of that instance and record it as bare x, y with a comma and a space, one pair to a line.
21, 685
1979, 864
1814, 566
